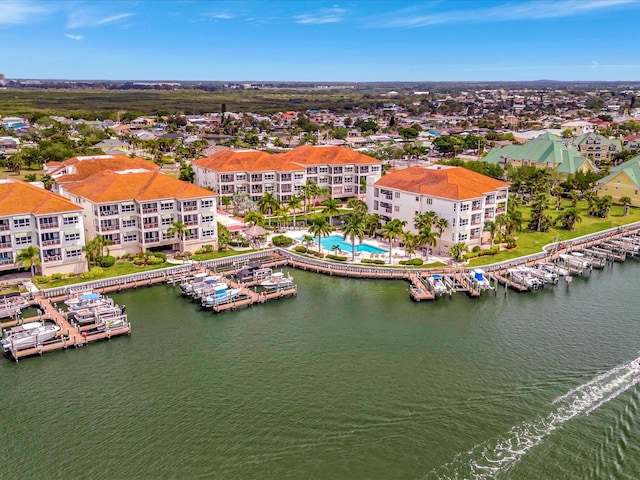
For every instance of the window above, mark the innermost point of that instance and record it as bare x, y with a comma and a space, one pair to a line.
21, 222
70, 221
23, 240
130, 237
324, 169
49, 222
76, 252
129, 223
71, 237
130, 207
298, 176
208, 233
397, 194
166, 206
462, 237
429, 201
417, 200
166, 221
464, 207
269, 177
396, 208
206, 203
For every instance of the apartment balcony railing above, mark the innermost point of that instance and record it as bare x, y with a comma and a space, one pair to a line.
152, 240
52, 258
5, 260
500, 210
108, 213
150, 210
190, 209
476, 222
489, 201
48, 243
150, 225
4, 227
5, 245
109, 228
476, 207
191, 222
49, 226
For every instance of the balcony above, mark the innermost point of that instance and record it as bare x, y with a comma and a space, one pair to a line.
150, 210
476, 206
5, 245
489, 201
152, 240
109, 228
5, 260
52, 258
49, 243
150, 225
189, 208
108, 213
4, 227
475, 222
49, 226
191, 223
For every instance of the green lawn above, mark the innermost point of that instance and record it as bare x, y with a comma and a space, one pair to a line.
529, 242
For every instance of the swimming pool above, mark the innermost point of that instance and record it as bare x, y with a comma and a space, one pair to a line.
345, 246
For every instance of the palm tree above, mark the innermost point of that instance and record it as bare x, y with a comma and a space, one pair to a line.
441, 224
29, 258
411, 242
93, 249
253, 218
372, 223
457, 250
354, 228
267, 204
331, 208
569, 218
320, 226
179, 229
104, 244
358, 206
625, 201
294, 203
392, 231
490, 227
427, 238
424, 220
306, 239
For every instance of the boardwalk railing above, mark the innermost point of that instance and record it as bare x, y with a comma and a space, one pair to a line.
236, 262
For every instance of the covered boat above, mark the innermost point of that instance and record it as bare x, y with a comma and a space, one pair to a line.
29, 335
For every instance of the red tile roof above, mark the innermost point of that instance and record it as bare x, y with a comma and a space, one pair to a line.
18, 197
110, 186
454, 183
326, 155
86, 166
245, 161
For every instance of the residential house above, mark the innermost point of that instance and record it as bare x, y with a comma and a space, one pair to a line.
33, 216
464, 198
111, 145
597, 147
545, 151
622, 181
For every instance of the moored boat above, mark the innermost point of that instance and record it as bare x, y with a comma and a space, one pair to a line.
221, 294
277, 281
437, 284
480, 279
29, 335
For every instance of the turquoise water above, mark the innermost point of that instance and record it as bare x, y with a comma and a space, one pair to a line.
348, 380
332, 240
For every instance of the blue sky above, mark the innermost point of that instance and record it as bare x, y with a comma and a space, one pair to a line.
355, 40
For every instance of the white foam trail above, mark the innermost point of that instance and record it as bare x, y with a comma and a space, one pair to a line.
488, 459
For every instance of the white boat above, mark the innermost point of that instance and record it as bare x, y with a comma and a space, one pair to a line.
188, 286
277, 281
204, 287
546, 275
221, 294
558, 270
29, 335
87, 301
88, 315
10, 306
576, 260
480, 279
438, 286
523, 276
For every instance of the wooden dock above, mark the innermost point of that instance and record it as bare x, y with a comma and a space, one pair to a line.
418, 289
501, 278
68, 335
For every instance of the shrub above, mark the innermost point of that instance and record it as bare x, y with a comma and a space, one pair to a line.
338, 258
481, 253
161, 255
377, 261
93, 273
318, 254
154, 260
414, 262
300, 249
366, 260
281, 241
41, 279
57, 276
476, 249
204, 249
108, 261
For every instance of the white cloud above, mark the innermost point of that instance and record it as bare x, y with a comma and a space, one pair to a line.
329, 15
84, 19
74, 37
531, 10
19, 12
220, 16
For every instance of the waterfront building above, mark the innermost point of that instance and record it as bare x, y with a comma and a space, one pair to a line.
545, 151
341, 170
597, 147
464, 198
33, 216
251, 172
622, 181
132, 204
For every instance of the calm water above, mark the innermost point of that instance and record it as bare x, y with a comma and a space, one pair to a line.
350, 380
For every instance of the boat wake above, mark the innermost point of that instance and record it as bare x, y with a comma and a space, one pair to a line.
488, 459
